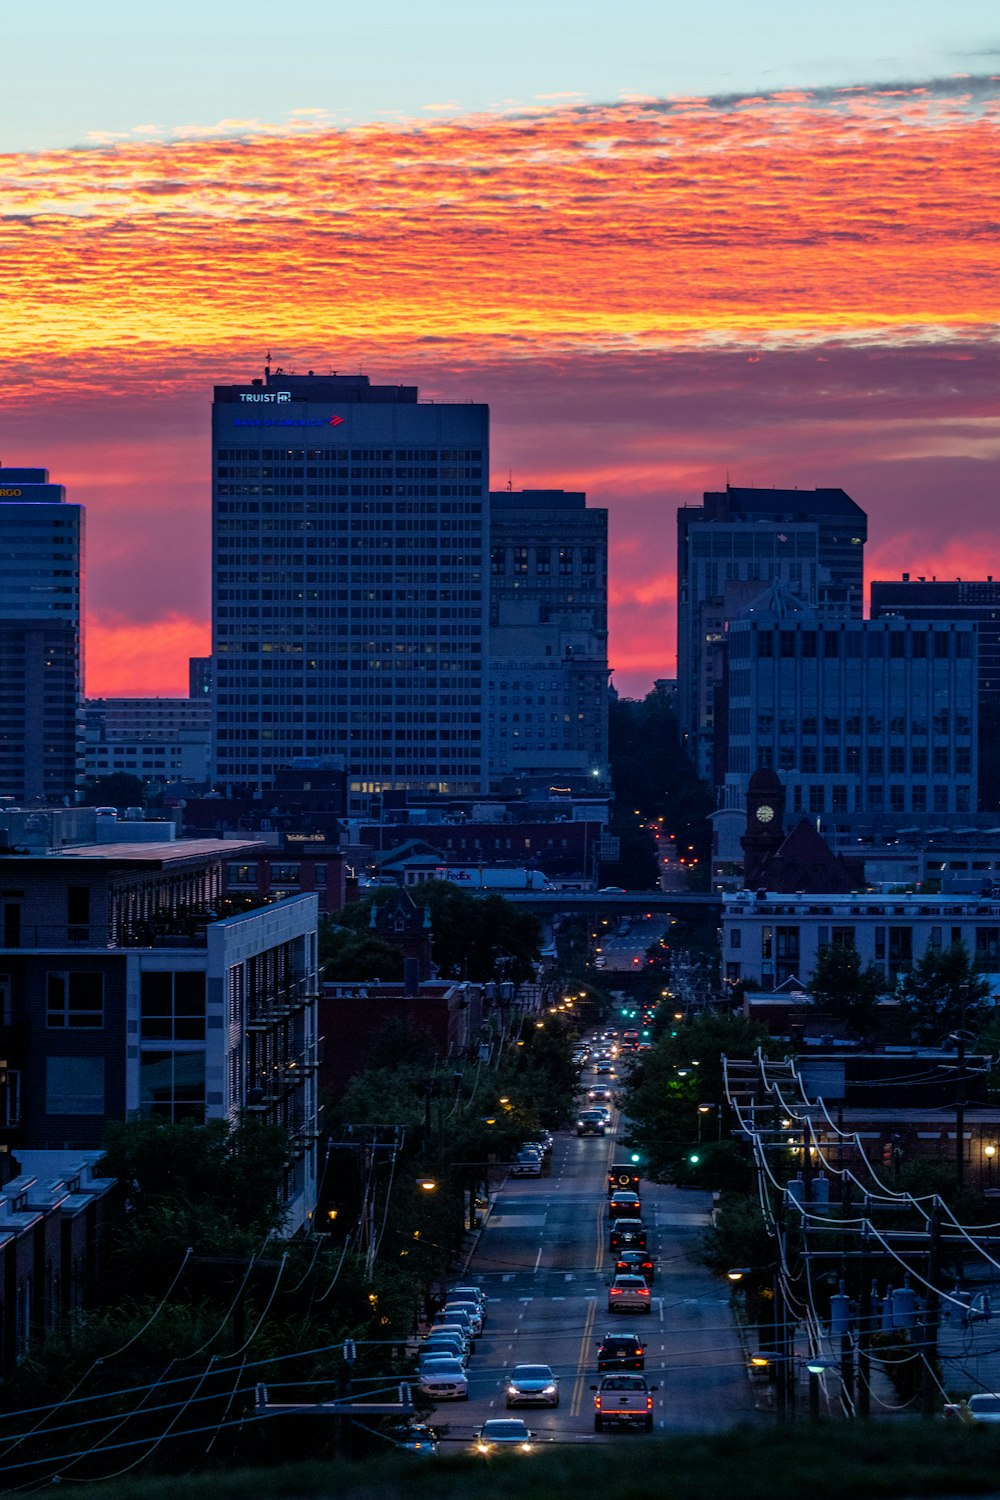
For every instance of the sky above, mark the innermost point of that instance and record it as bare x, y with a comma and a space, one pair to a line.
756, 244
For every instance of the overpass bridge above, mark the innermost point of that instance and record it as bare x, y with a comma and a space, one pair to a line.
694, 906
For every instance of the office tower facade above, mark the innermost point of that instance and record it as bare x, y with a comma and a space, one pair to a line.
41, 656
862, 718
731, 548
548, 637
946, 601
350, 530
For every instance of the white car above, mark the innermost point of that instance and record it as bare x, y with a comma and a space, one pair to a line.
457, 1307
444, 1380
469, 1294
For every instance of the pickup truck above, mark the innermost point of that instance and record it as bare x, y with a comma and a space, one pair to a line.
623, 1400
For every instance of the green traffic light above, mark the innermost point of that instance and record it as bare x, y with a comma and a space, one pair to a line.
635, 1156
694, 1158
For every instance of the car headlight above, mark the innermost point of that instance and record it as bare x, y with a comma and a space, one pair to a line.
549, 1390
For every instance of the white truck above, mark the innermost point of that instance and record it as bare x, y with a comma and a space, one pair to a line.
623, 1400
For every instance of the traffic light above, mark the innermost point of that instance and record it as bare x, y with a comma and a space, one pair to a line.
693, 1158
635, 1157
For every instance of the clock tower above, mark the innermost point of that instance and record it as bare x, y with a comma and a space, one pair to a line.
765, 830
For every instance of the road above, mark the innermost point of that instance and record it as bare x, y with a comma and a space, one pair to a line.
625, 951
543, 1263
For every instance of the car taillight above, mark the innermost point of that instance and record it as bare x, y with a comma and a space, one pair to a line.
644, 1291
616, 1291
649, 1403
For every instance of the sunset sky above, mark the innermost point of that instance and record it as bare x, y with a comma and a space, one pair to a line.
663, 255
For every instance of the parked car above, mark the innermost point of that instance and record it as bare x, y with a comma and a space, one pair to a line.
503, 1435
532, 1385
982, 1407
526, 1164
455, 1331
444, 1344
457, 1309
630, 1294
621, 1351
415, 1437
444, 1380
469, 1294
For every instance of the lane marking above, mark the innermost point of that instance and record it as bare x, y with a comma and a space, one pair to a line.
582, 1380
538, 1258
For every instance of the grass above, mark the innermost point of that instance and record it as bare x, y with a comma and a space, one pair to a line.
833, 1461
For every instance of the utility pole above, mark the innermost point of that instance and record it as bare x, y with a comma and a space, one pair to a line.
960, 1111
928, 1386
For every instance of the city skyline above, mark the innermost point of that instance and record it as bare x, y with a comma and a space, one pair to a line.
653, 296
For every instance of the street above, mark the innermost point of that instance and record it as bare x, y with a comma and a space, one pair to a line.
542, 1260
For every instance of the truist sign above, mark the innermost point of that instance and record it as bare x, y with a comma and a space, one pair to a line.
260, 396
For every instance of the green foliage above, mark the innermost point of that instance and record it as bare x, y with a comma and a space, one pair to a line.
683, 1070
650, 771
117, 790
841, 988
901, 1360
346, 956
738, 1238
474, 937
943, 992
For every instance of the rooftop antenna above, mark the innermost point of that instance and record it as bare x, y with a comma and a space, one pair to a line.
267, 364
510, 480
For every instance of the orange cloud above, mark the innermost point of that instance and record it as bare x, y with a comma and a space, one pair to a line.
797, 288
130, 660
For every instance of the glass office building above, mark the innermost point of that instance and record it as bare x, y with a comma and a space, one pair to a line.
41, 600
350, 533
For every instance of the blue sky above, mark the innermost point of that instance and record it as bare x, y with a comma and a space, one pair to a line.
77, 71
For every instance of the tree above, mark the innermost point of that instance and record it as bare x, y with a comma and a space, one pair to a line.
842, 989
475, 937
347, 956
117, 790
943, 992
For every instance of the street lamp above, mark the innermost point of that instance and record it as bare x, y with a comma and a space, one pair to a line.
815, 1371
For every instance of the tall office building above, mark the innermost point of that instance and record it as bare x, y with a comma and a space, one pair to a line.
728, 551
866, 720
949, 600
41, 596
350, 529
548, 637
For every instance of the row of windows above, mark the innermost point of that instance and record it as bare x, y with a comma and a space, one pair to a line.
172, 1004
355, 455
869, 644
515, 560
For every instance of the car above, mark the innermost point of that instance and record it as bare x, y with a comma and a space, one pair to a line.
451, 1330
624, 1204
532, 1385
468, 1294
444, 1380
443, 1344
590, 1122
457, 1308
503, 1435
605, 1069
623, 1175
527, 1165
621, 1351
415, 1437
982, 1407
599, 1094
612, 890
635, 1263
455, 1322
629, 1234
629, 1294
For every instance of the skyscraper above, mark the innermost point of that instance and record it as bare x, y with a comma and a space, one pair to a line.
350, 529
41, 547
728, 551
548, 636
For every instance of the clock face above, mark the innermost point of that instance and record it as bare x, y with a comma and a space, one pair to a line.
765, 813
